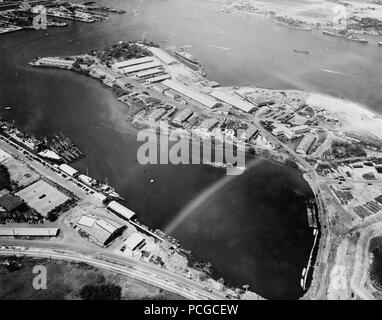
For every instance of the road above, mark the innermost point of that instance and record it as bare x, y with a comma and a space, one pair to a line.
136, 269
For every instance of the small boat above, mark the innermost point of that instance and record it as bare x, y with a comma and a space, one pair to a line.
7, 108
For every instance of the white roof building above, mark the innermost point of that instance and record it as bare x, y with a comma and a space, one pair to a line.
68, 170
121, 210
234, 101
141, 67
131, 62
158, 78
149, 73
162, 55
134, 241
29, 232
87, 221
190, 93
4, 155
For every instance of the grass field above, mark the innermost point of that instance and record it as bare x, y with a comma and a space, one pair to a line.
65, 280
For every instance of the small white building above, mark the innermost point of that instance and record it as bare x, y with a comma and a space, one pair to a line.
120, 210
68, 170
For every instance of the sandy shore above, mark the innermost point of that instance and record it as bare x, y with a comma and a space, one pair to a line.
353, 116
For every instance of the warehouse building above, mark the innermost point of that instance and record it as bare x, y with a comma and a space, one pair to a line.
171, 94
305, 144
250, 133
156, 114
100, 230
149, 73
300, 129
234, 101
123, 83
182, 116
208, 124
120, 210
29, 232
131, 62
141, 67
135, 241
42, 197
192, 94
158, 78
68, 170
162, 55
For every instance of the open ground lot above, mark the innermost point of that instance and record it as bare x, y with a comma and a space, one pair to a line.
65, 280
42, 197
19, 173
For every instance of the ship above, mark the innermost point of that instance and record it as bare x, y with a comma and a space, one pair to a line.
379, 44
345, 36
186, 56
302, 51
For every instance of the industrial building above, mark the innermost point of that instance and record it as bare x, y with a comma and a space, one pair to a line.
234, 101
141, 67
135, 241
208, 124
42, 197
156, 114
280, 130
305, 144
120, 210
162, 55
131, 62
250, 133
100, 230
300, 129
29, 232
171, 94
68, 170
56, 62
182, 116
192, 94
150, 73
123, 83
158, 78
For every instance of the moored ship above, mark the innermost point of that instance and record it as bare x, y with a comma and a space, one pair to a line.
188, 57
342, 34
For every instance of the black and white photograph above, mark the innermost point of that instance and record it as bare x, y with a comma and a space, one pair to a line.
183, 156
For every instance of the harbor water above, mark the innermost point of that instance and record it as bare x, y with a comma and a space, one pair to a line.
253, 228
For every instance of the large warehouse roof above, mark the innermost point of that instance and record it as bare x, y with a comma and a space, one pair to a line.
120, 209
31, 232
140, 67
162, 55
42, 197
237, 102
201, 98
149, 72
131, 62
